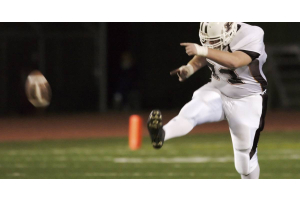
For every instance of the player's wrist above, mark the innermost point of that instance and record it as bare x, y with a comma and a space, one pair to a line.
201, 50
189, 69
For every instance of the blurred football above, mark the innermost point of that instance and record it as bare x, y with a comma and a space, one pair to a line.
37, 89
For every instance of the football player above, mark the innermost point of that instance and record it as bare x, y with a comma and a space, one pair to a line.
235, 54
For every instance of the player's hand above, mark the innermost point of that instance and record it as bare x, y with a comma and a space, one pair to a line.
183, 72
190, 48
194, 49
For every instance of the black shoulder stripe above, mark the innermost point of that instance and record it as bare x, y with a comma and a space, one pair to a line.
252, 54
238, 27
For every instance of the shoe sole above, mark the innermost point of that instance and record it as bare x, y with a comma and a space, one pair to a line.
155, 120
154, 125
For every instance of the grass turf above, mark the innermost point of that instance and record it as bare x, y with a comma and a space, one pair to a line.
203, 156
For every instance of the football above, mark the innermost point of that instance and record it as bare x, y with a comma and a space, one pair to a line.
37, 89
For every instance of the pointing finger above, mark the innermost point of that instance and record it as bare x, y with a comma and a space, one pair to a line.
174, 72
185, 44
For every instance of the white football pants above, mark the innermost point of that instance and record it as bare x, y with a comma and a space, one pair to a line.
245, 117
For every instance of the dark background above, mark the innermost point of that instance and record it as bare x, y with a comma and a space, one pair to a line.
69, 54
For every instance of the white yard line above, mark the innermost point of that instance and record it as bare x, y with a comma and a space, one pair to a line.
134, 174
198, 159
16, 174
173, 160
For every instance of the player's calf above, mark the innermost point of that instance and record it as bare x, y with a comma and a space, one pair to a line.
154, 125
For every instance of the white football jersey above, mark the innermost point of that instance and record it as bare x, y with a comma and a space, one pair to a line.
246, 80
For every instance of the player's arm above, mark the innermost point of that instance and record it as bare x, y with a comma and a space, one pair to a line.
198, 62
186, 71
230, 60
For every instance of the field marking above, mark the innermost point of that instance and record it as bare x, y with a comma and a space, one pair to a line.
231, 174
280, 157
296, 157
173, 160
135, 174
16, 174
106, 174
197, 159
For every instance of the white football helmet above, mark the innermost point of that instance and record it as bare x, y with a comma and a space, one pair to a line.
217, 35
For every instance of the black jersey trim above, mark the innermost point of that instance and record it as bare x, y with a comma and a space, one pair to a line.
229, 49
261, 124
255, 72
253, 55
238, 27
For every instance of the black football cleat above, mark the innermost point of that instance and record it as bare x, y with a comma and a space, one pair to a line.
154, 125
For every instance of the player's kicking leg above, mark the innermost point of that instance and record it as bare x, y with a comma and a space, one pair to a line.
206, 106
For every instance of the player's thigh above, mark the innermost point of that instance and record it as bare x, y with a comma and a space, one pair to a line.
205, 106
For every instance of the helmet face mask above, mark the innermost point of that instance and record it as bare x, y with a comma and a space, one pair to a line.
213, 43
217, 35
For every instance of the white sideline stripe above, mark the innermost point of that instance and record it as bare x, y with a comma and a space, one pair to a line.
173, 160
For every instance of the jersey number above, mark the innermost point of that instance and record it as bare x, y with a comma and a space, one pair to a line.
234, 79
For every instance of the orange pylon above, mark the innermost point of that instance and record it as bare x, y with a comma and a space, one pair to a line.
135, 132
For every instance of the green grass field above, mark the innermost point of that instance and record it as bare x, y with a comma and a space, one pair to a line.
203, 156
